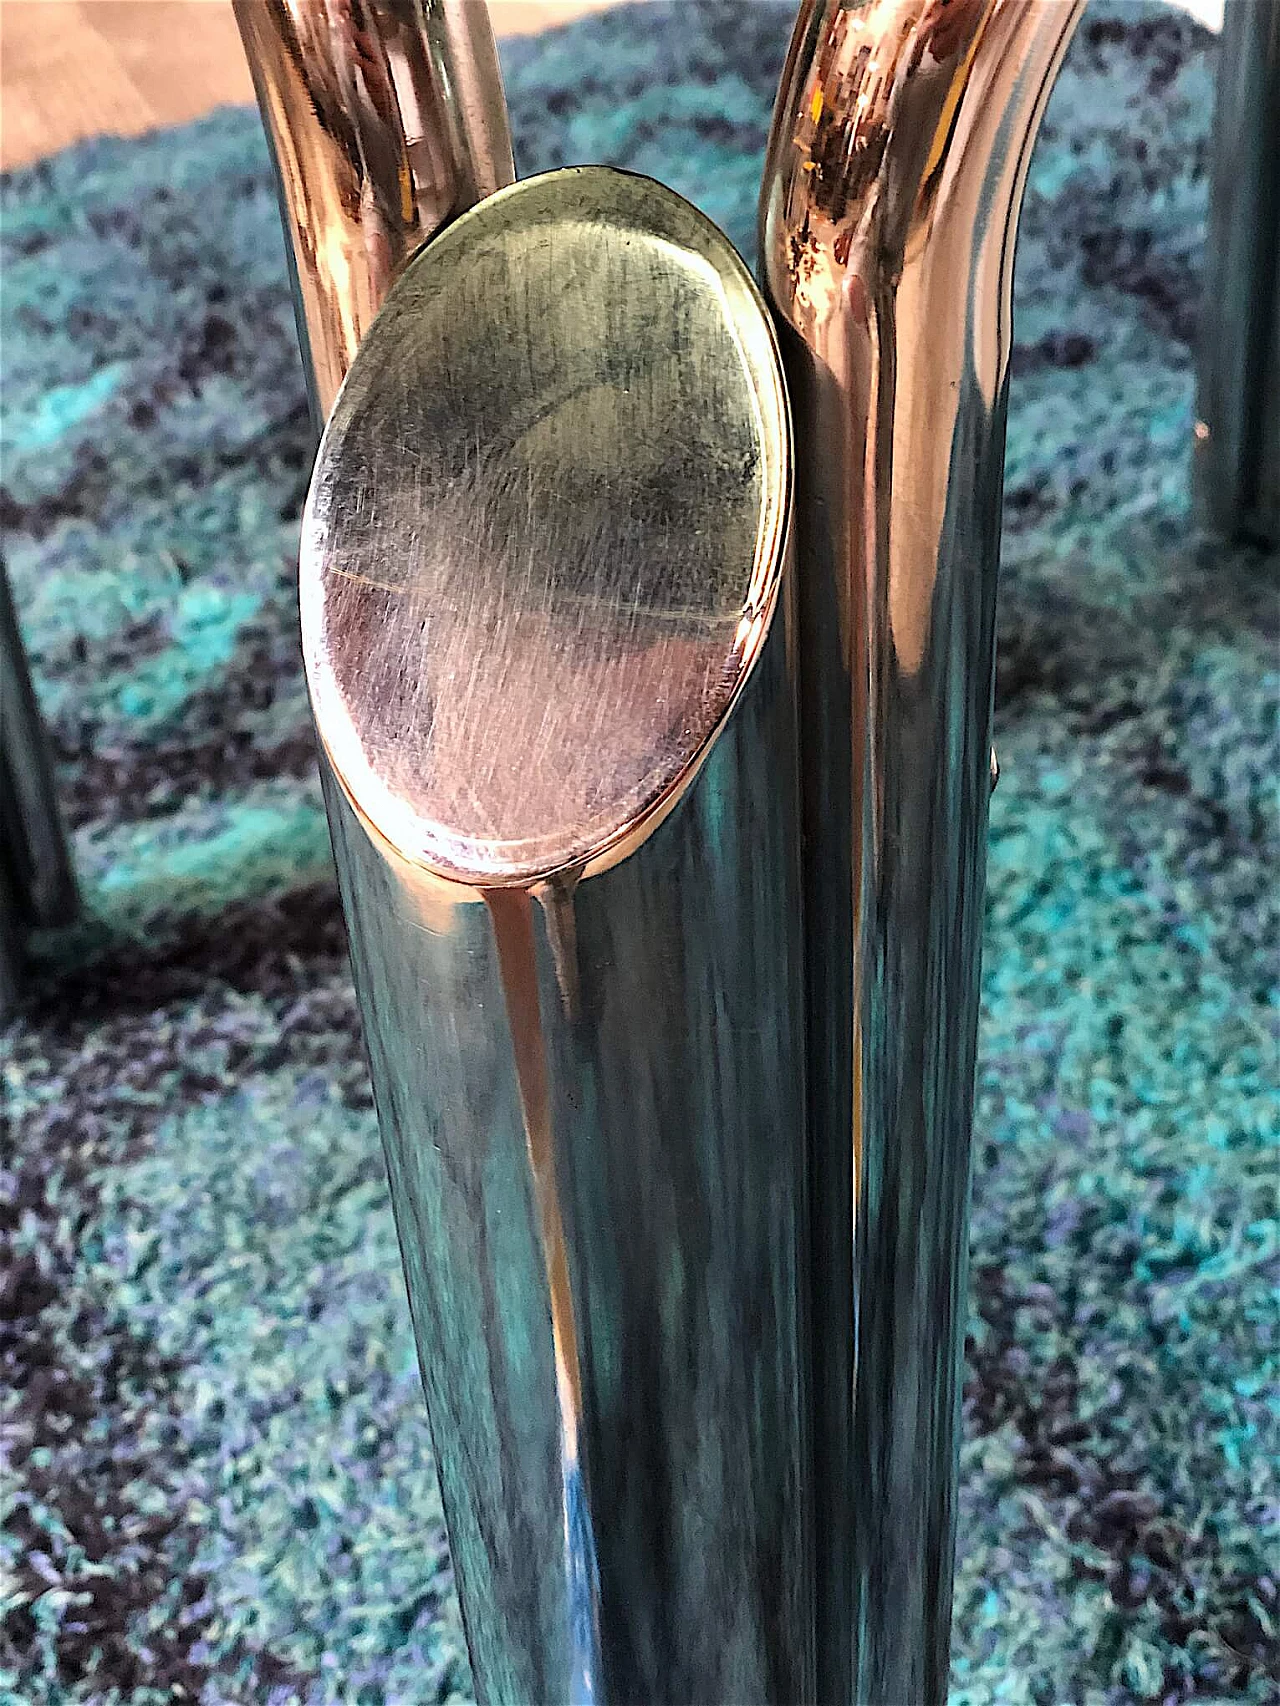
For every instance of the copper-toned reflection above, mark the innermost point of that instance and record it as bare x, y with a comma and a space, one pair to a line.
386, 120
545, 531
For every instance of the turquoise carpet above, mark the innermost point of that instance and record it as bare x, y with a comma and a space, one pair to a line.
216, 1484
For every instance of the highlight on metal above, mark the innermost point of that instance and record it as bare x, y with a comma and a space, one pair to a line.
892, 186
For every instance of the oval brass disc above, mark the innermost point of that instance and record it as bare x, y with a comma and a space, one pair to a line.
545, 530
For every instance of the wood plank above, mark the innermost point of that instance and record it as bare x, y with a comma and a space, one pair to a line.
74, 68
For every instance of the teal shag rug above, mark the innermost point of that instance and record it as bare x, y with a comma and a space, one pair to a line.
216, 1483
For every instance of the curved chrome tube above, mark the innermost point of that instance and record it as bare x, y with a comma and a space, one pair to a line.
1238, 433
889, 210
548, 626
386, 120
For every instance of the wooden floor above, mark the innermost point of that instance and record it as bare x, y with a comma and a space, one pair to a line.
72, 68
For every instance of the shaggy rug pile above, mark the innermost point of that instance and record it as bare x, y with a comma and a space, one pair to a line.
216, 1482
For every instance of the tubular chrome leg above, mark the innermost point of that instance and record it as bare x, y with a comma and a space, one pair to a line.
892, 187
600, 1216
37, 884
363, 101
590, 1082
1239, 401
544, 616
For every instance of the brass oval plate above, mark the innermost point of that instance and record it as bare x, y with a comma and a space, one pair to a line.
546, 528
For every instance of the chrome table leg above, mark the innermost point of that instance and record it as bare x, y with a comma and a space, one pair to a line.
548, 632
544, 616
37, 884
888, 215
1239, 399
386, 120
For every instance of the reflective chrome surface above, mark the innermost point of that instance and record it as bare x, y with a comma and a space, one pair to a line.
386, 119
37, 882
547, 632
1239, 397
894, 179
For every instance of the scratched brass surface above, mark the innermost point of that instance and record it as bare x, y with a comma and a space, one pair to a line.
544, 534
386, 119
889, 211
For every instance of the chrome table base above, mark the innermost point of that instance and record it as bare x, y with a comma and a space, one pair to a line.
892, 188
690, 1333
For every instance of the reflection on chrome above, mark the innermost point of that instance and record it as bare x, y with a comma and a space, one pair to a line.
546, 617
889, 208
386, 120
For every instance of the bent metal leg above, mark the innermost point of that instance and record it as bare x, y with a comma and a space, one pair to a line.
892, 188
546, 624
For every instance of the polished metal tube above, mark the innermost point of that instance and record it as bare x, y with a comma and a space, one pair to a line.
661, 1315
591, 1105
889, 209
1238, 433
547, 626
585, 1041
386, 119
37, 881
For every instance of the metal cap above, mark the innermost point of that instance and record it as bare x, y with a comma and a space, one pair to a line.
546, 528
